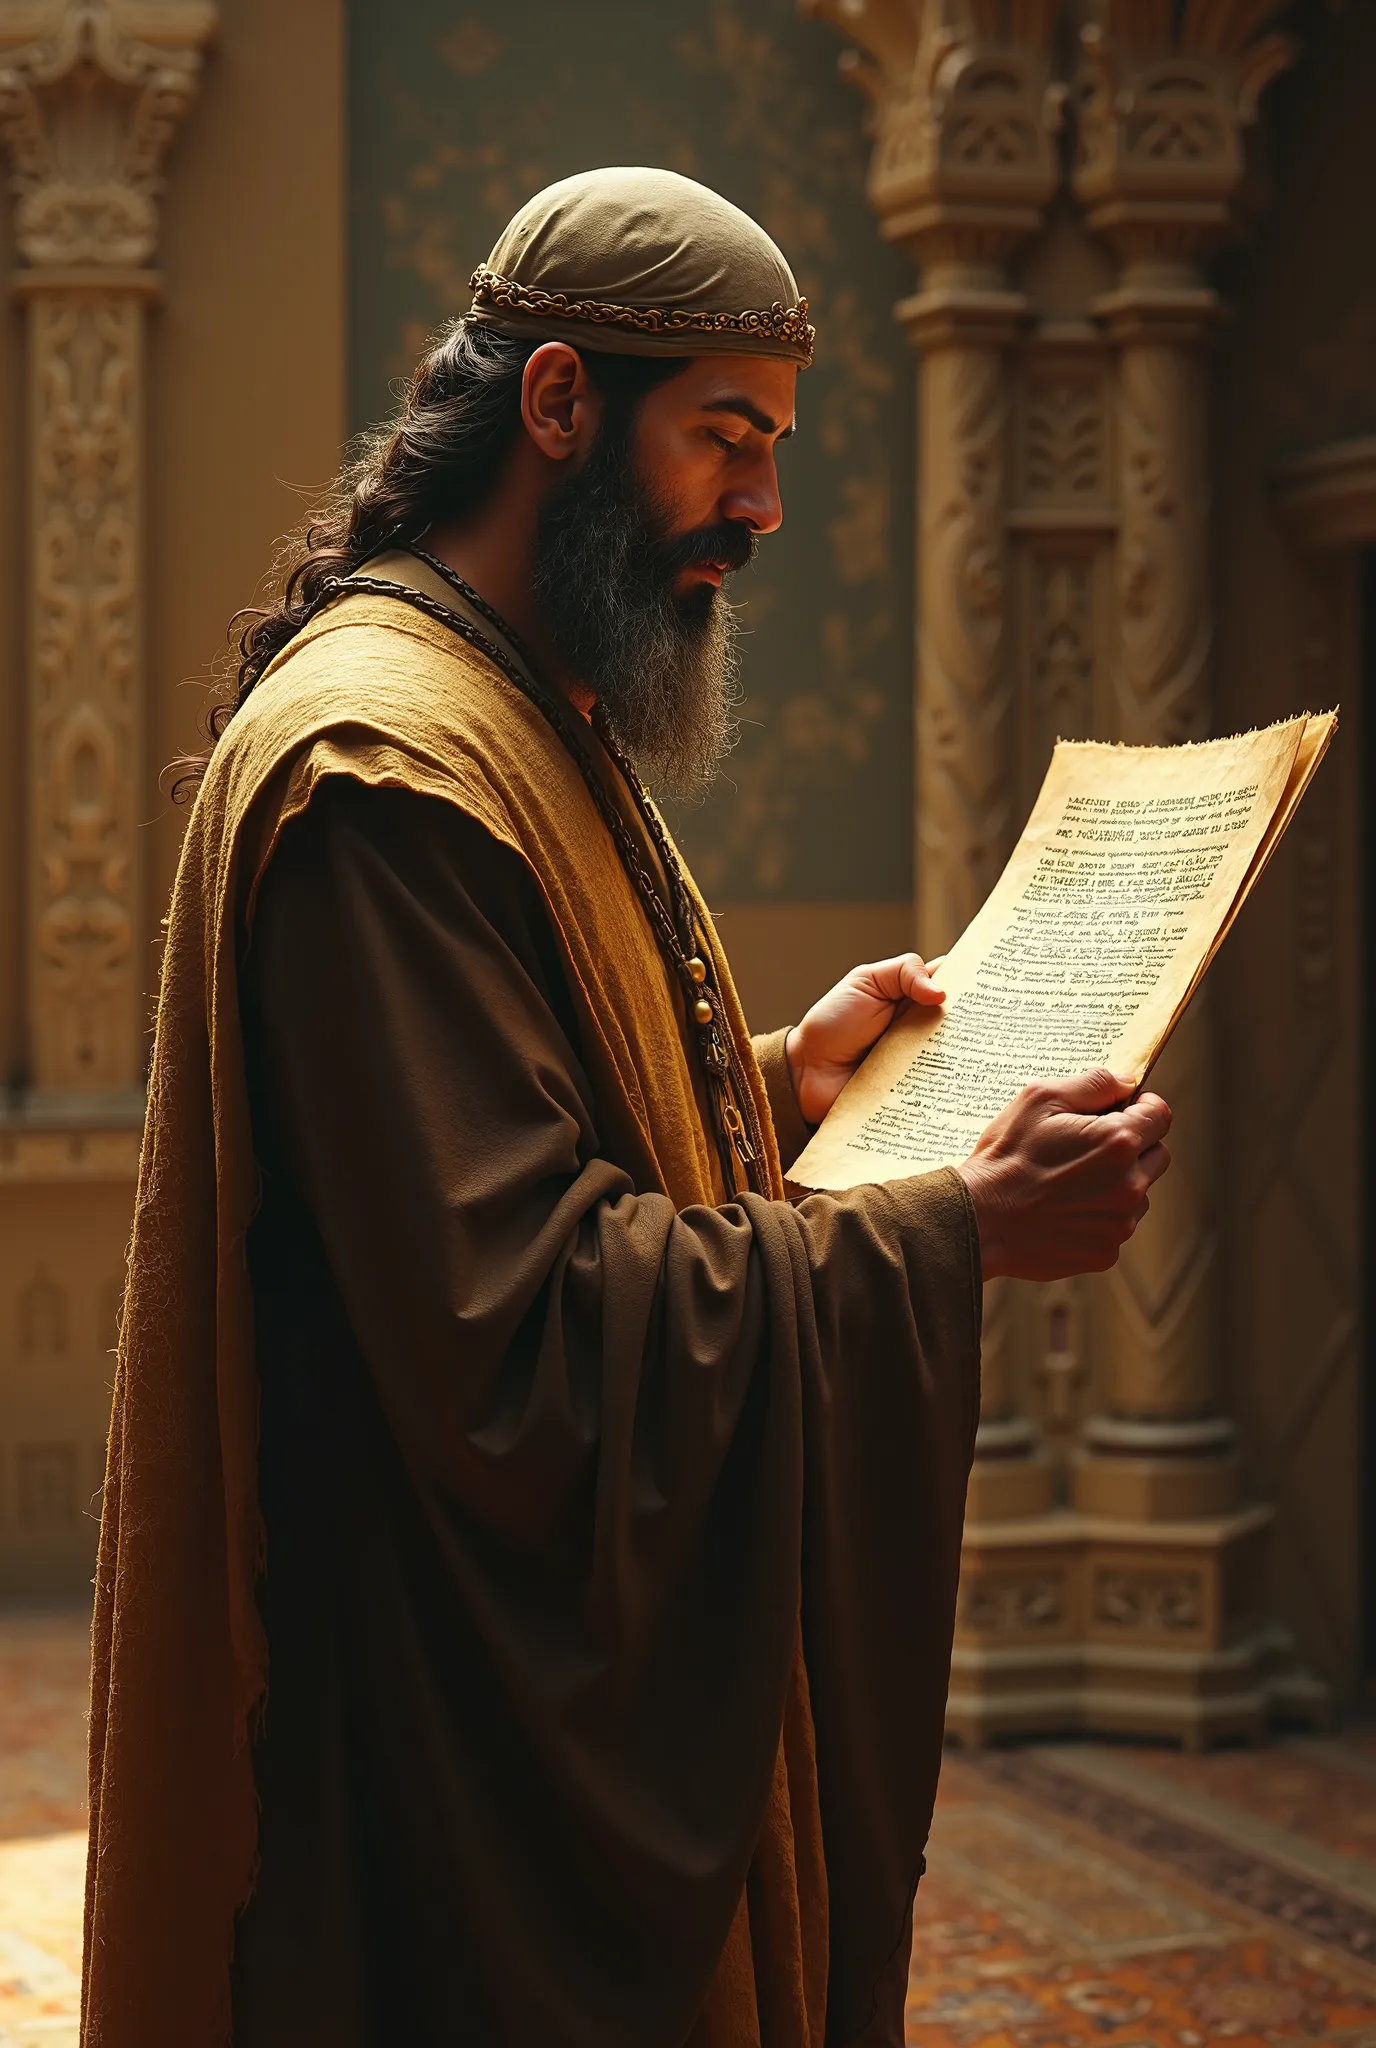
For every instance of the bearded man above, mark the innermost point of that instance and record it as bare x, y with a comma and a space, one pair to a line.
529, 1555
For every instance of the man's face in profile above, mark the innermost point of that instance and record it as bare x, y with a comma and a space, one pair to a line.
634, 547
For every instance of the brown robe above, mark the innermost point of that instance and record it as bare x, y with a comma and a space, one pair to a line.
554, 1454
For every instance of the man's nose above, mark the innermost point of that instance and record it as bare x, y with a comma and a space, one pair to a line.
755, 500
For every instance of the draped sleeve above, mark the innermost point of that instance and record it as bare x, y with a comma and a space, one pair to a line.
550, 1471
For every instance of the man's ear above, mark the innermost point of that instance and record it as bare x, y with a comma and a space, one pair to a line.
561, 408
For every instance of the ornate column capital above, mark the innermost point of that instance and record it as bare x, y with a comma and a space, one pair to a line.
91, 93
1164, 98
964, 118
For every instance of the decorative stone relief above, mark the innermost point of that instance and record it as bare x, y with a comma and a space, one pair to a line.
85, 381
1060, 639
964, 117
1064, 434
963, 709
1162, 101
1163, 577
1155, 1602
1013, 1603
91, 92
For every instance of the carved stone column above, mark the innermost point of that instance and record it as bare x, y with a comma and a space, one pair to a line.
964, 164
1164, 1450
1064, 587
91, 92
1172, 1568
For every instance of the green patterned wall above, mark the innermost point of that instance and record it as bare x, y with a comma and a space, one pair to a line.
459, 109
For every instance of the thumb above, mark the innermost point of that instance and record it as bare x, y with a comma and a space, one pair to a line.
1090, 1094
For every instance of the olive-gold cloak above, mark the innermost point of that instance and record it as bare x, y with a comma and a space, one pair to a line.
527, 1568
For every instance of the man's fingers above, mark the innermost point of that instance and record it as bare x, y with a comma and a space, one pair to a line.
906, 974
1149, 1118
919, 985
1092, 1093
1154, 1162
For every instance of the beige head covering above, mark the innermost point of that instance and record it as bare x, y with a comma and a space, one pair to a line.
646, 263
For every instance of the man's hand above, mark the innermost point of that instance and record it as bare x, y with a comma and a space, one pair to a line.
826, 1048
1060, 1181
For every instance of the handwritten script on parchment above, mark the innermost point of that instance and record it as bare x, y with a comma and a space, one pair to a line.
1131, 869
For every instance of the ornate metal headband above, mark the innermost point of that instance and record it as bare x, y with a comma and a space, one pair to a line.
788, 324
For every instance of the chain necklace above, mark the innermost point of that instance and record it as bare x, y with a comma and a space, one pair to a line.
735, 1126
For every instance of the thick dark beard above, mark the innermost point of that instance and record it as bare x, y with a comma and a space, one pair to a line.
662, 666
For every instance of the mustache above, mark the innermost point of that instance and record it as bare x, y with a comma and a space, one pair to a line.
730, 542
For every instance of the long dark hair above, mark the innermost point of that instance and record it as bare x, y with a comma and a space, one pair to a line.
436, 461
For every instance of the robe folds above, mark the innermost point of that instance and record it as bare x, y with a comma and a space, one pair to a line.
561, 1549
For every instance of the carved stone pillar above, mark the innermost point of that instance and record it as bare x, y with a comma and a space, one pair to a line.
1172, 1558
91, 93
1159, 168
1064, 588
965, 161
1163, 1449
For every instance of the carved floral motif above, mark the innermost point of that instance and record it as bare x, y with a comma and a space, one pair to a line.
1163, 101
1060, 631
85, 375
1169, 1602
91, 93
1063, 441
964, 118
1012, 1603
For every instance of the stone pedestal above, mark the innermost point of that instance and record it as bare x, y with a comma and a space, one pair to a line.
1157, 1471
1075, 1622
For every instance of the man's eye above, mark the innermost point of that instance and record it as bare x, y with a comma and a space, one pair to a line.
722, 441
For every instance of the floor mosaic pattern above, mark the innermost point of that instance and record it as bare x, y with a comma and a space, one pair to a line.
43, 1679
1105, 1896
1078, 1895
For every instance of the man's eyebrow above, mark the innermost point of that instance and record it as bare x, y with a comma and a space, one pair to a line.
745, 409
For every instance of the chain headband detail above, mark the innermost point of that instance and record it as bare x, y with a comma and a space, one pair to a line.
781, 323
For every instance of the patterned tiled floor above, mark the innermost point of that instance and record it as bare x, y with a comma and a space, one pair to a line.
1077, 1896
1068, 1905
43, 1675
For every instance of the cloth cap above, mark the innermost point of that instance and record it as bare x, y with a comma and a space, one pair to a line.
646, 263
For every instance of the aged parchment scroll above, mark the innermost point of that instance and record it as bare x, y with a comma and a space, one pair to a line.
1127, 878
